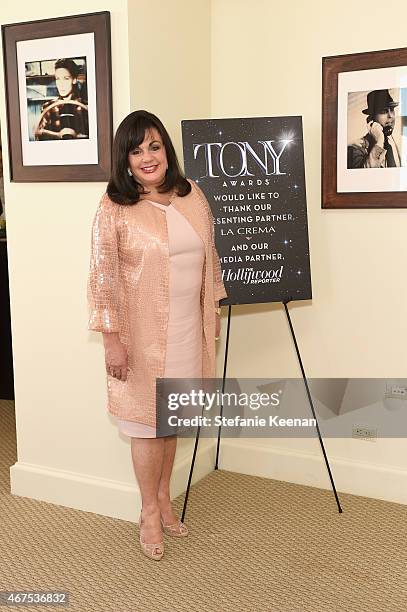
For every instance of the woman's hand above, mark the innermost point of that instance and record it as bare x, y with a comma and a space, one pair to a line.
217, 326
217, 321
116, 359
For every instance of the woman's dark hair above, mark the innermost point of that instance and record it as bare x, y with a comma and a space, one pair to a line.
67, 63
123, 188
73, 69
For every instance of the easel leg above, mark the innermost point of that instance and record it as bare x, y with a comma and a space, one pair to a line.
199, 428
184, 509
312, 405
225, 363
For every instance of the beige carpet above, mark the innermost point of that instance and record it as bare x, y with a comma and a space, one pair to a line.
255, 545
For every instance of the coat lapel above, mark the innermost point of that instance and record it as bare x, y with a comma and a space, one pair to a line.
183, 205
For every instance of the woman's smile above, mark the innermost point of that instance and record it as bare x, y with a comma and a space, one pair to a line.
149, 169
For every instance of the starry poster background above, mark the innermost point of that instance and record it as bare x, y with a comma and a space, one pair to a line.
252, 173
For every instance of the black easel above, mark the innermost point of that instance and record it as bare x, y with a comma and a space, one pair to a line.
221, 412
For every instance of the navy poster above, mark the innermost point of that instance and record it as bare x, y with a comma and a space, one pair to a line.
252, 173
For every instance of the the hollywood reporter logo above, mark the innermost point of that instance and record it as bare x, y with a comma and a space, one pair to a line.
249, 275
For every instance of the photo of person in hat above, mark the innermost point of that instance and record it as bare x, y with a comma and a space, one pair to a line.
378, 147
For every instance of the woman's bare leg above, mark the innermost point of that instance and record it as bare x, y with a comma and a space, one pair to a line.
164, 501
147, 455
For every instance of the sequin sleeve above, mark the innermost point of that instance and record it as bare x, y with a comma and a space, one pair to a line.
102, 288
219, 288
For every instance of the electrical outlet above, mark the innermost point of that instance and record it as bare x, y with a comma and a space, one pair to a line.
361, 432
394, 391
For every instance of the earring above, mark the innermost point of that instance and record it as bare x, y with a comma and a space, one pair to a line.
129, 172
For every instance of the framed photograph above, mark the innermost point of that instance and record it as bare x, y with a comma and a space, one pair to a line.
364, 130
59, 98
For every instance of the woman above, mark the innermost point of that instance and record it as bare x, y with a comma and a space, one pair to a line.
154, 289
64, 117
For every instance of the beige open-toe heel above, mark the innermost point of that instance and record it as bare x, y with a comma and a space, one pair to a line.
152, 551
177, 530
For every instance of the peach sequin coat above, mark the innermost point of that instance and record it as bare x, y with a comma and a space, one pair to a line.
128, 293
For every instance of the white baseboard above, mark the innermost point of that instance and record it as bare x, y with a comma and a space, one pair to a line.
363, 479
101, 496
122, 500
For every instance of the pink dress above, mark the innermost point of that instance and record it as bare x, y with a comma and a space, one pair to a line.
184, 335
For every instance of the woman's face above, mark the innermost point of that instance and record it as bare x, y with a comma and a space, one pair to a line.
64, 82
148, 161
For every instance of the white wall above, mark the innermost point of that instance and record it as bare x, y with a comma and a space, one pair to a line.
170, 52
266, 60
